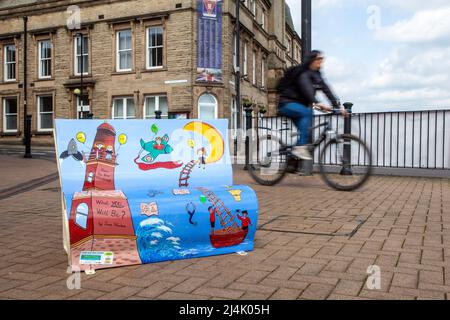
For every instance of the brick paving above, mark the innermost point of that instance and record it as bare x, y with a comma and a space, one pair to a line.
400, 224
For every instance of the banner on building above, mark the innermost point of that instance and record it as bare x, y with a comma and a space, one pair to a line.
209, 42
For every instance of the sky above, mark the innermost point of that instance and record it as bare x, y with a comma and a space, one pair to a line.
385, 55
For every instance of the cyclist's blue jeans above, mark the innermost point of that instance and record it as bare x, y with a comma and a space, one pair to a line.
301, 117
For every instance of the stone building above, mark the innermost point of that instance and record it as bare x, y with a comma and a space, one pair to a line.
137, 57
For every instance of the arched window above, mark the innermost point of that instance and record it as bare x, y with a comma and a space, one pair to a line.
207, 107
82, 213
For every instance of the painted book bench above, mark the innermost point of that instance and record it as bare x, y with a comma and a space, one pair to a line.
143, 191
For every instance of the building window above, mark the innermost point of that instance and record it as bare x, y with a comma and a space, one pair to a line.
253, 4
10, 62
45, 113
83, 108
263, 19
263, 72
123, 108
288, 46
156, 103
81, 58
234, 118
245, 60
235, 53
81, 215
45, 59
207, 107
254, 68
124, 51
155, 47
9, 114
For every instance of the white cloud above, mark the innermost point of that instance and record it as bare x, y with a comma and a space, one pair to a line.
415, 4
425, 26
414, 72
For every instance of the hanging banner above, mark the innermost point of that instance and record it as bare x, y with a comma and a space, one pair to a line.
209, 42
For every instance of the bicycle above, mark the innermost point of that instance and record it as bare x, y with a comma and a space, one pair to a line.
274, 159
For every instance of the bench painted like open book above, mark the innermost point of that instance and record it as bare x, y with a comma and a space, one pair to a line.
142, 191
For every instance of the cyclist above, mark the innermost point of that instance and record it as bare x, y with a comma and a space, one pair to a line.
297, 92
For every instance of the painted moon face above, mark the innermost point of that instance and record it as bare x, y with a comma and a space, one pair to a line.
212, 136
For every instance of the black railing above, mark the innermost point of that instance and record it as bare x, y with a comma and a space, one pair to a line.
419, 139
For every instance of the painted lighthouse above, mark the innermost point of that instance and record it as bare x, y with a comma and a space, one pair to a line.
101, 228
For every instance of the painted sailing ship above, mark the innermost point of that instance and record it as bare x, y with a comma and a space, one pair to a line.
230, 234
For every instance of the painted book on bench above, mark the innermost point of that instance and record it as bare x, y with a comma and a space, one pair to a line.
142, 191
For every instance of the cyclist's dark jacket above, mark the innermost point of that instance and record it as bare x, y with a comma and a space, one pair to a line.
303, 83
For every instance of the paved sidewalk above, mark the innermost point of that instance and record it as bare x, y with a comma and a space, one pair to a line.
313, 243
14, 169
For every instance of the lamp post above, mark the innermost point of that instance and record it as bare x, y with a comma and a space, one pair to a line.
238, 63
306, 27
26, 117
306, 49
347, 168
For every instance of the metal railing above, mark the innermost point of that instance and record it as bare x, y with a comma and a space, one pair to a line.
417, 139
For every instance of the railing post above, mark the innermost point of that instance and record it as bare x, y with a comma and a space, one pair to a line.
347, 169
27, 136
158, 114
248, 119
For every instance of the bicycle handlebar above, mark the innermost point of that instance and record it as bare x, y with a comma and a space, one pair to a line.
333, 112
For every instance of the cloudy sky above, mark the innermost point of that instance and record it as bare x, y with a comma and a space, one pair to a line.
384, 54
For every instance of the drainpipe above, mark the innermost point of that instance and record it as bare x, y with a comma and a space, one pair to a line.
26, 118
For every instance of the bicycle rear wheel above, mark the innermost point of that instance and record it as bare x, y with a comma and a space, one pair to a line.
345, 171
268, 161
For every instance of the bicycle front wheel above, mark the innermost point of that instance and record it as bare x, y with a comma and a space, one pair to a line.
268, 161
345, 163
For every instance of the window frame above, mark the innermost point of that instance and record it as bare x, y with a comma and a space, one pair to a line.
216, 105
288, 46
78, 213
76, 55
263, 72
254, 56
119, 51
234, 117
5, 115
157, 106
148, 48
7, 63
38, 98
78, 102
40, 59
234, 53
125, 107
245, 62
263, 19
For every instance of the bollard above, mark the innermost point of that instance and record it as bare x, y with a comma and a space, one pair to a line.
347, 169
248, 121
308, 165
158, 114
27, 137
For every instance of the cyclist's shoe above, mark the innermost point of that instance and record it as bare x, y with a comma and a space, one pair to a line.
302, 152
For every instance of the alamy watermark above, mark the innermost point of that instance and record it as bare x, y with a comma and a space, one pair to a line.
73, 281
73, 22
374, 280
374, 20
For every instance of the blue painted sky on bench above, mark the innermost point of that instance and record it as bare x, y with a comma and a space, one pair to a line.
136, 184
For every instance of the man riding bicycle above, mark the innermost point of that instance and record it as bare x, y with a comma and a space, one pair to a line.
297, 92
